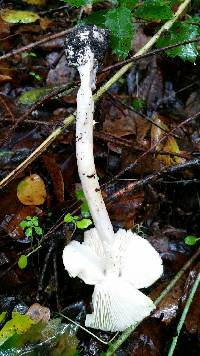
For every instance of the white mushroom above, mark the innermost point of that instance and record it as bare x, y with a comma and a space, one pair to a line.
117, 264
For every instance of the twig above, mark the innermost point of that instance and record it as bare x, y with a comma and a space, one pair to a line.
153, 148
148, 54
37, 152
183, 316
44, 269
115, 345
39, 103
30, 122
151, 178
55, 9
35, 44
99, 93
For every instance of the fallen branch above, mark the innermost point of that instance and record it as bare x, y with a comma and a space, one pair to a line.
35, 44
130, 187
99, 93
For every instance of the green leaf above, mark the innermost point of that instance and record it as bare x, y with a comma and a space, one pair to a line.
138, 103
79, 194
29, 232
38, 230
31, 96
22, 261
85, 212
194, 19
96, 18
191, 240
28, 54
23, 224
128, 3
18, 324
54, 338
68, 218
83, 224
154, 10
29, 223
181, 32
35, 222
78, 3
119, 22
35, 75
18, 16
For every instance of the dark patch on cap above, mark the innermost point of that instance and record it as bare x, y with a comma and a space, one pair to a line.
82, 37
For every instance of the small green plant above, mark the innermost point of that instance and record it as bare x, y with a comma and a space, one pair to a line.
28, 54
84, 205
138, 103
35, 75
191, 240
78, 222
23, 259
30, 226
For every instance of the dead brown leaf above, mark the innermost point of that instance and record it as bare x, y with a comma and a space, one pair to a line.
168, 308
148, 340
125, 210
56, 177
4, 78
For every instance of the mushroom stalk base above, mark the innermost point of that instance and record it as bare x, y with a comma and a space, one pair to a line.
84, 153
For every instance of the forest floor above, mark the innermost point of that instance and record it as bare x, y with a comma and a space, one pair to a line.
150, 187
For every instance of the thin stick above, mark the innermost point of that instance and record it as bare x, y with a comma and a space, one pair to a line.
38, 151
148, 54
183, 316
115, 345
99, 93
35, 44
132, 165
86, 330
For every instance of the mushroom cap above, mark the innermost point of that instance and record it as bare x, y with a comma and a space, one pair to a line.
140, 263
117, 305
133, 257
82, 41
87, 260
117, 270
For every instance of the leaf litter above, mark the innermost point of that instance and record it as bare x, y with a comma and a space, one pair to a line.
165, 211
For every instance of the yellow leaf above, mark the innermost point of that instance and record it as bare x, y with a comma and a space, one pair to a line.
31, 190
18, 324
18, 16
35, 2
169, 145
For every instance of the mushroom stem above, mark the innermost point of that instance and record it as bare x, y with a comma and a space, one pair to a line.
84, 153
